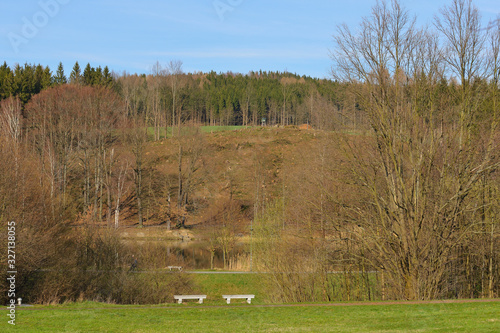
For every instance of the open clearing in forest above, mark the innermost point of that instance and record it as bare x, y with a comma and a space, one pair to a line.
457, 316
203, 129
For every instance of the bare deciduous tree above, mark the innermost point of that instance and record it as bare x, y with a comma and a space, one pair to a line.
191, 147
138, 142
174, 69
419, 175
115, 185
10, 118
460, 25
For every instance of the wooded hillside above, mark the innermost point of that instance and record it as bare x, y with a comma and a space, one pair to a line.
396, 185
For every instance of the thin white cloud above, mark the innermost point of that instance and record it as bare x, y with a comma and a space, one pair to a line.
243, 54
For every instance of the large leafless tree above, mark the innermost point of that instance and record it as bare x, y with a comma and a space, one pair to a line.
420, 172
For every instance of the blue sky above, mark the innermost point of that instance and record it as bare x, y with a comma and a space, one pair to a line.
220, 35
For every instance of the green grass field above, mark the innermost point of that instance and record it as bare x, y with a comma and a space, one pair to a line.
190, 317
204, 129
216, 285
216, 316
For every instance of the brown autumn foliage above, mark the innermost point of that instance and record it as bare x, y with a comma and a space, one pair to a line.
70, 128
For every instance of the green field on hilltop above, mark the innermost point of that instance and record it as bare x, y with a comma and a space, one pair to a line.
203, 129
94, 317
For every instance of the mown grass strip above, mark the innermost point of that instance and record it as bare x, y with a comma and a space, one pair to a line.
442, 317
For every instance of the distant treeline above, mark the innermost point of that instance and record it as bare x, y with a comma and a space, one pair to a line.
28, 80
166, 97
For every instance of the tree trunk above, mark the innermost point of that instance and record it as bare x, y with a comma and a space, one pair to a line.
180, 222
139, 196
490, 267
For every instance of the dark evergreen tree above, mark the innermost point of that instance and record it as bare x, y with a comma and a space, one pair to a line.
88, 74
38, 79
6, 81
17, 80
46, 78
60, 78
24, 81
27, 83
107, 78
75, 76
97, 77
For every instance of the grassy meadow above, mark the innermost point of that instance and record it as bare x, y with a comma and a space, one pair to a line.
203, 129
261, 316
191, 317
216, 285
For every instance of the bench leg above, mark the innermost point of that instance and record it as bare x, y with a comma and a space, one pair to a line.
200, 301
179, 301
228, 300
249, 300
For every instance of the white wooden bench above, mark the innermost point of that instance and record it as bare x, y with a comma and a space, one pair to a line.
247, 297
180, 298
174, 267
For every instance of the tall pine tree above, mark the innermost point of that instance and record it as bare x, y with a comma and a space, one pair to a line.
107, 79
75, 76
97, 79
46, 78
6, 81
60, 78
88, 74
